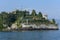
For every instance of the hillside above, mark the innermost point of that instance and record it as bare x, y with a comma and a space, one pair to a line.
7, 19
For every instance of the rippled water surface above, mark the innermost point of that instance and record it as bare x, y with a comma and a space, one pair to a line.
31, 35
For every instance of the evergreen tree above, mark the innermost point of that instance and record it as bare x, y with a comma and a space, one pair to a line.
33, 13
40, 15
53, 20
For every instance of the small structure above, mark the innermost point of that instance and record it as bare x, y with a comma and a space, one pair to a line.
26, 25
14, 26
45, 16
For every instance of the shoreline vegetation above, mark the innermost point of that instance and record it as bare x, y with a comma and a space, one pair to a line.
25, 20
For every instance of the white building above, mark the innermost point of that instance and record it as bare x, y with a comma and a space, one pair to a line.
45, 16
28, 25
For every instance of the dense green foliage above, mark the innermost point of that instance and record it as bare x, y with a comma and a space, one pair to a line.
53, 20
20, 16
33, 13
40, 14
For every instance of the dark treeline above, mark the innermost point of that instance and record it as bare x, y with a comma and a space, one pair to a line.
8, 19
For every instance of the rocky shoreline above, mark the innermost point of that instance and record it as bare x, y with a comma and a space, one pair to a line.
32, 28
29, 29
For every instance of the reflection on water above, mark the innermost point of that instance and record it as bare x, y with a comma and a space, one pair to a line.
31, 35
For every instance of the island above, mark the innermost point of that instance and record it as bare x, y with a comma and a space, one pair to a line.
24, 20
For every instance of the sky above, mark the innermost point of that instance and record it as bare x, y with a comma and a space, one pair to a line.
49, 7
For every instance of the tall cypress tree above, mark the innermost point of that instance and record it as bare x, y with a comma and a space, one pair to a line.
33, 13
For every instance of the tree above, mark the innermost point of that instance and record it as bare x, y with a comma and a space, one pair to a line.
4, 17
40, 15
11, 19
25, 13
1, 22
33, 13
53, 20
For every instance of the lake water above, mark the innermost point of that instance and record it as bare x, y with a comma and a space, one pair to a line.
31, 35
